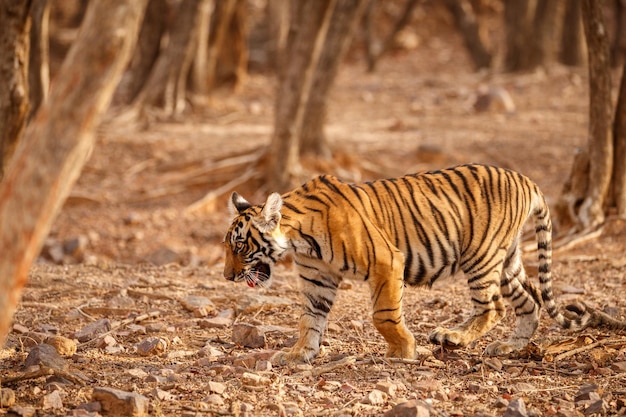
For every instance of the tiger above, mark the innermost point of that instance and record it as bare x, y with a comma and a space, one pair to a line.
408, 231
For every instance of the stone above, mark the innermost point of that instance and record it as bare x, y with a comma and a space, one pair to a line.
516, 408
151, 346
52, 401
46, 356
215, 323
585, 393
22, 411
121, 403
164, 256
599, 407
7, 397
93, 330
374, 397
214, 399
216, 387
200, 306
248, 335
387, 387
412, 408
75, 247
63, 345
254, 380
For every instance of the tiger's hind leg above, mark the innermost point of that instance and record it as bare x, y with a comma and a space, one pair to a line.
488, 307
525, 298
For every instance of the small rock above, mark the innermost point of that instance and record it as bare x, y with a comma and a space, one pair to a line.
254, 302
151, 346
216, 387
7, 397
121, 403
347, 387
22, 411
137, 373
92, 407
248, 335
164, 256
619, 367
52, 250
516, 408
200, 306
52, 401
292, 410
163, 395
426, 386
254, 380
63, 345
494, 363
75, 247
215, 323
46, 356
214, 399
585, 393
375, 397
263, 366
387, 387
19, 329
597, 407
92, 330
412, 408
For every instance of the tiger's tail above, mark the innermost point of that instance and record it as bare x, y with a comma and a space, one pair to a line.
578, 315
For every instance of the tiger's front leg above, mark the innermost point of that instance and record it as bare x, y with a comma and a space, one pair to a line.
319, 295
386, 291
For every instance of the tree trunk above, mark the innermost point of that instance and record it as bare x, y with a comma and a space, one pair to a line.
14, 50
59, 140
308, 30
572, 37
618, 49
312, 139
146, 53
619, 145
517, 27
547, 28
600, 108
468, 24
278, 28
39, 68
199, 77
165, 87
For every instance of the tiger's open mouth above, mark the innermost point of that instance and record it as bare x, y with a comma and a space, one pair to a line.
259, 273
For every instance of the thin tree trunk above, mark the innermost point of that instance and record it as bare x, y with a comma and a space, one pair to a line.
619, 156
308, 31
547, 25
278, 22
14, 51
39, 68
600, 109
199, 77
572, 39
468, 24
163, 87
517, 27
312, 139
59, 140
146, 53
618, 50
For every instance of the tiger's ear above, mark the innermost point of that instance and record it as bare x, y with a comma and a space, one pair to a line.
270, 215
237, 204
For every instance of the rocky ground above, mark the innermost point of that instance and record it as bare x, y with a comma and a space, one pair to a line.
129, 288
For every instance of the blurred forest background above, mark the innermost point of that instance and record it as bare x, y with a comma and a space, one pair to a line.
196, 63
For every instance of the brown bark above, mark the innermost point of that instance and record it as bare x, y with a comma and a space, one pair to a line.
166, 85
600, 118
39, 68
59, 140
618, 49
199, 76
14, 50
469, 26
146, 53
547, 28
308, 30
619, 155
572, 38
517, 23
344, 19
278, 28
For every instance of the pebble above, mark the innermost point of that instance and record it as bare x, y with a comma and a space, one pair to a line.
164, 256
375, 397
92, 330
200, 306
46, 356
214, 399
412, 408
248, 335
516, 408
52, 401
254, 380
121, 403
22, 411
216, 387
387, 387
151, 346
7, 397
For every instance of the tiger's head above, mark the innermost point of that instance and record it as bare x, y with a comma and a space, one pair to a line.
254, 241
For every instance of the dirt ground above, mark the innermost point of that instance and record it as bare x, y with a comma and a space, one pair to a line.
140, 250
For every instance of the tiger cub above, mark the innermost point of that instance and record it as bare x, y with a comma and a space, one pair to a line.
410, 230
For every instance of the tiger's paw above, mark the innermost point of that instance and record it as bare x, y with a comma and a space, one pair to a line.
449, 339
292, 356
499, 348
404, 351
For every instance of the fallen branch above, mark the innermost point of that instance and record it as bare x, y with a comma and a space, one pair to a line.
621, 342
